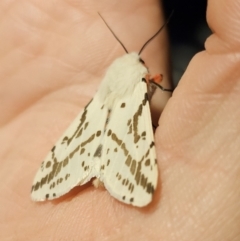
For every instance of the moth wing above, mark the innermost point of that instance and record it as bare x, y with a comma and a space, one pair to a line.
70, 162
128, 164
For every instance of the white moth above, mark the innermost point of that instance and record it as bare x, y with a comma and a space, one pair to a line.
111, 140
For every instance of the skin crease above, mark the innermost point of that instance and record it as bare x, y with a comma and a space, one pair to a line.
53, 56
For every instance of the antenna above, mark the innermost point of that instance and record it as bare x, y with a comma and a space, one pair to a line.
113, 33
143, 47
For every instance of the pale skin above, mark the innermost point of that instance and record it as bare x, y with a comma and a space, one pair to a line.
53, 55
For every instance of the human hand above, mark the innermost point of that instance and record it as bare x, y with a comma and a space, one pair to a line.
53, 58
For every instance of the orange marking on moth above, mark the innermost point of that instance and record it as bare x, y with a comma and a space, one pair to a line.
156, 78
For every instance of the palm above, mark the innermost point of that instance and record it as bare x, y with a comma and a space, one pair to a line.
52, 62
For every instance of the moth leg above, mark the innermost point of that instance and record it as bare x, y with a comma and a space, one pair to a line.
153, 83
156, 80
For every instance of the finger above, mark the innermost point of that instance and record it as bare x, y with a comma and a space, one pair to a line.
198, 134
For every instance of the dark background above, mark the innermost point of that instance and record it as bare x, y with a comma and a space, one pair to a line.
188, 31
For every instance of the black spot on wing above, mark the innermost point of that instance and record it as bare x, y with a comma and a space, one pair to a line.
98, 152
123, 105
67, 176
48, 164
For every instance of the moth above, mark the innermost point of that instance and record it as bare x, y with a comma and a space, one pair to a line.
111, 140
